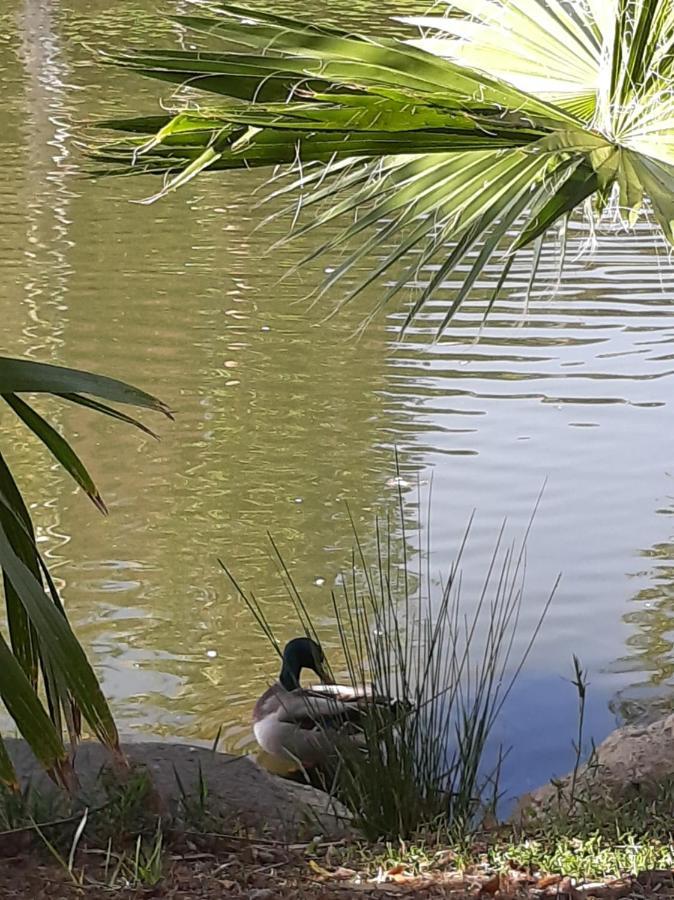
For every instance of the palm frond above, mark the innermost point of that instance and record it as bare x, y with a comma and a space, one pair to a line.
502, 118
44, 652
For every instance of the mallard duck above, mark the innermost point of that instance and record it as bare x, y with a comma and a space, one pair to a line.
303, 726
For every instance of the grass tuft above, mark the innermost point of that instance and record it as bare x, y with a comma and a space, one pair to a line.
448, 664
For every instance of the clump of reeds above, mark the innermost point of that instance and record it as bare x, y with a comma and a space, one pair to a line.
448, 663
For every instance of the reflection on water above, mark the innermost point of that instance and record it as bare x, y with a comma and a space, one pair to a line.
648, 656
44, 194
282, 419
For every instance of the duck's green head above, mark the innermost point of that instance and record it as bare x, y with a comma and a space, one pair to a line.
302, 653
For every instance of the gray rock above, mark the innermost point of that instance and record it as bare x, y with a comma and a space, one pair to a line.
239, 791
632, 755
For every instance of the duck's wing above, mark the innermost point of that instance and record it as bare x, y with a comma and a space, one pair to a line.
360, 697
269, 703
342, 693
314, 707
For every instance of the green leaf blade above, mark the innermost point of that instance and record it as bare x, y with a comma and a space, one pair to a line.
25, 376
59, 642
30, 717
58, 447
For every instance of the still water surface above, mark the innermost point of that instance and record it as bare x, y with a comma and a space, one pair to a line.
282, 419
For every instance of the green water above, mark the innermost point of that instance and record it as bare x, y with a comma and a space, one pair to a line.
282, 418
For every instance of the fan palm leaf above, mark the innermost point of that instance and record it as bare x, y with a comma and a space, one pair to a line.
466, 144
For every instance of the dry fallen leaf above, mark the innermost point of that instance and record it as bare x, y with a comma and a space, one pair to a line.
547, 881
609, 890
443, 858
405, 878
319, 870
342, 872
518, 867
519, 877
563, 886
397, 869
492, 886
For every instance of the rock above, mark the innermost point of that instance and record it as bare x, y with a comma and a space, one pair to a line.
239, 792
632, 756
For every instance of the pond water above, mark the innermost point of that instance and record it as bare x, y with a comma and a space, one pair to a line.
284, 419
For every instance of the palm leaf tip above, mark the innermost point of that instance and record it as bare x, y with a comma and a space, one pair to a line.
88, 403
25, 376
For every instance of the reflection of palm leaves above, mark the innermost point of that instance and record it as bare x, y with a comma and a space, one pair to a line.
506, 113
42, 641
